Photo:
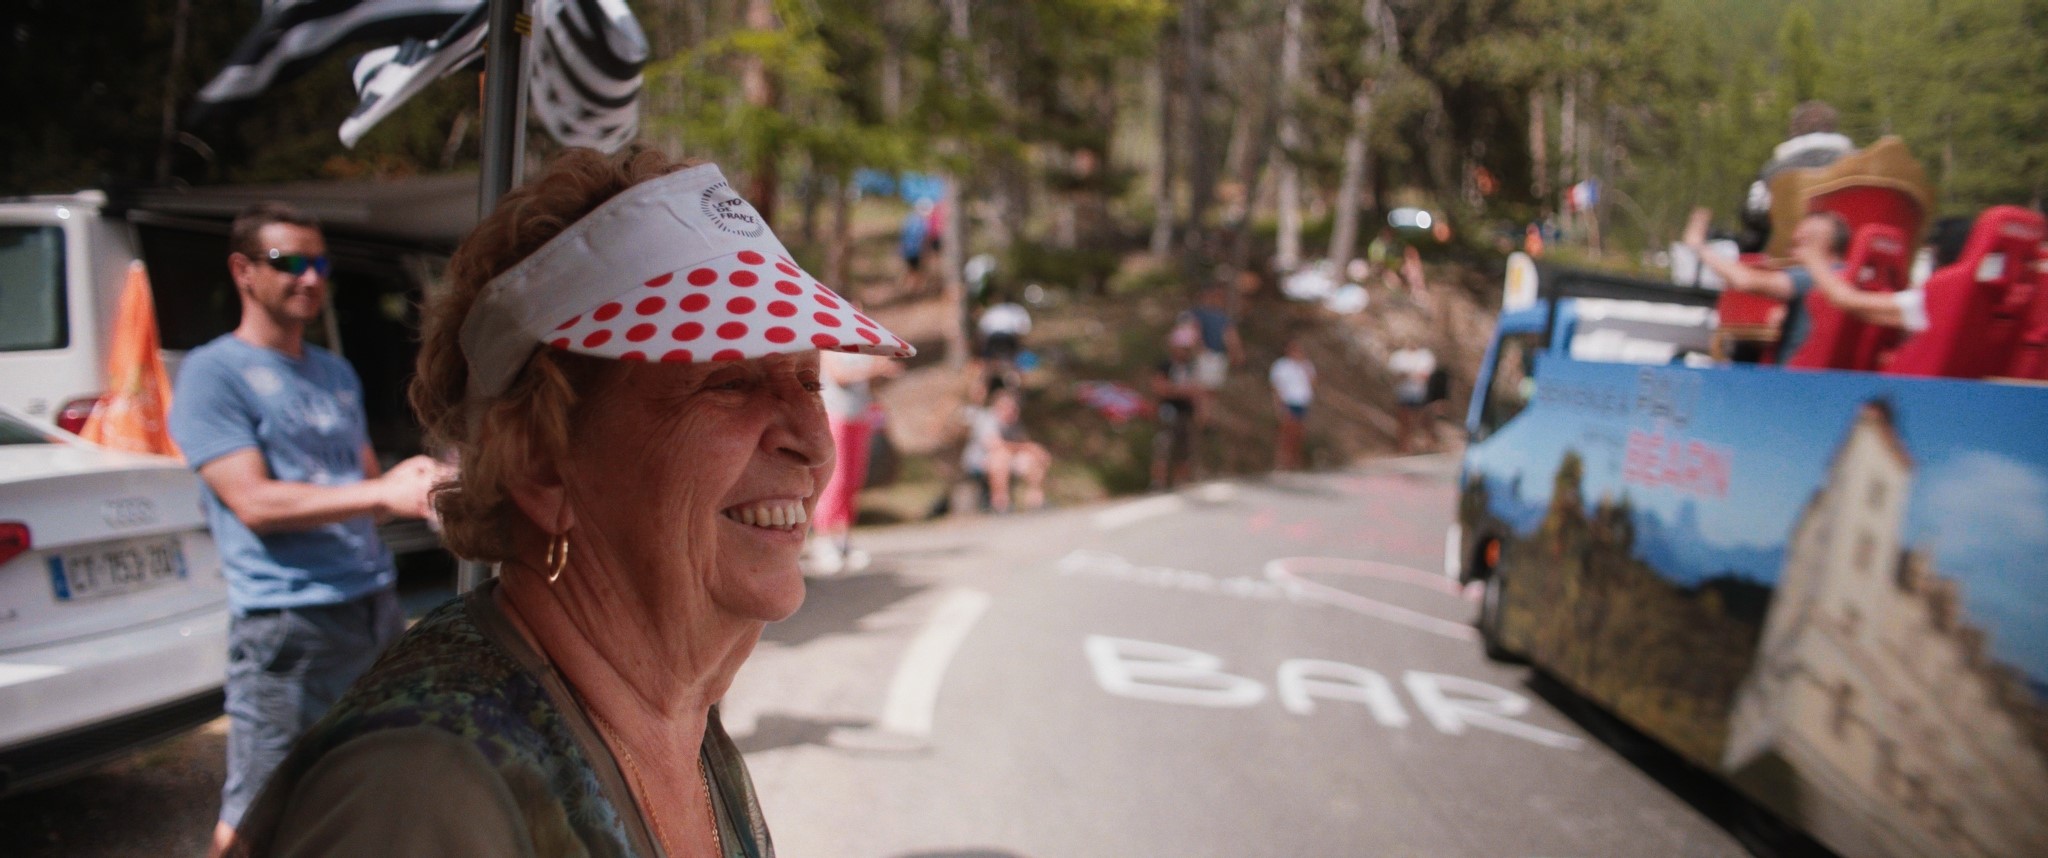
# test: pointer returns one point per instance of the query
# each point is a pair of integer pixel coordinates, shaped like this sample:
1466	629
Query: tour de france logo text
728	212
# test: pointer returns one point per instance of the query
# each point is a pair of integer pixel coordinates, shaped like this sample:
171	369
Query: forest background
1081	128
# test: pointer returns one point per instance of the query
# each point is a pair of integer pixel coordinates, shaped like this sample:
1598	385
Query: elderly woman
626	362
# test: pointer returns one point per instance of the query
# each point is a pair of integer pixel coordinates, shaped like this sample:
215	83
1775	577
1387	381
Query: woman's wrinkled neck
631	662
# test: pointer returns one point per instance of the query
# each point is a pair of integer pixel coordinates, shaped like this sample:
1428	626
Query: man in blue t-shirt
275	427
1819	244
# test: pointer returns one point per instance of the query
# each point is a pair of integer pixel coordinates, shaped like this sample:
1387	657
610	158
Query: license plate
115	569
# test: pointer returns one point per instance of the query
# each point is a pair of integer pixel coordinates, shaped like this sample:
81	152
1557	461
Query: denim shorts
285	668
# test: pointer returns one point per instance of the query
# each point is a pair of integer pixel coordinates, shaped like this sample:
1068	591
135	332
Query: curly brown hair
502	436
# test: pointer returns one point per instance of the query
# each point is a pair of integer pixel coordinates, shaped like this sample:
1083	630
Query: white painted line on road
1277	570
914	692
1125	515
1214	492
1395	572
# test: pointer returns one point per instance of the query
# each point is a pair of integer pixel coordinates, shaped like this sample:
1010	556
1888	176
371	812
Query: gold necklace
633	775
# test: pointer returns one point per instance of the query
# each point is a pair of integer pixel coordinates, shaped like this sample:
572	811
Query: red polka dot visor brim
744	305
679	269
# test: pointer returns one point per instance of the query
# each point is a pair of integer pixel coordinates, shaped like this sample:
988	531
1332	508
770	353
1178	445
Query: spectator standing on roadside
852	414
1175	387
1412	365
292	492
1000	332
1221	348
1411	274
914	237
1384	253
1294	381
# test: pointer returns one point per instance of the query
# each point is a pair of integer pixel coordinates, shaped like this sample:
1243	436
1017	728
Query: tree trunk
1162	188
1251	176
953	239
1344	233
1287	250
1379	51
1201	172
808	191
839	249
761	92
1568	130
1539	146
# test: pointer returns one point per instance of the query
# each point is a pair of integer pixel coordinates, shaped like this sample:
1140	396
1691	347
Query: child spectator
1412	366
1294	380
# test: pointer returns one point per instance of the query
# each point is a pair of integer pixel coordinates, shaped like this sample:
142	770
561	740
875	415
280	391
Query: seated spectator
1819	243
998	451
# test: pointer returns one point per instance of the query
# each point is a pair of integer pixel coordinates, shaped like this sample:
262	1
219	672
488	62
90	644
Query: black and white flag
386	77
292	35
586	78
586	81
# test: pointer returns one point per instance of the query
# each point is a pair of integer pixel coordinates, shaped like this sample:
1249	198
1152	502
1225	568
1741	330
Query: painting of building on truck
1826	586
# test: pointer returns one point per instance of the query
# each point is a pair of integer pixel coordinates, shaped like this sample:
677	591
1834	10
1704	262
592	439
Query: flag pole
506	67
504	121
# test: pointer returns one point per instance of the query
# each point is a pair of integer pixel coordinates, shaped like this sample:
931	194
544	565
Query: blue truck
1828	588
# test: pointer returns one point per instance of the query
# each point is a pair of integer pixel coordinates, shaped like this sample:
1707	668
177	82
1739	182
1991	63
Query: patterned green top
464	740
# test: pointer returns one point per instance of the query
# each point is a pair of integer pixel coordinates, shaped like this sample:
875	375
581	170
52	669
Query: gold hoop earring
558	555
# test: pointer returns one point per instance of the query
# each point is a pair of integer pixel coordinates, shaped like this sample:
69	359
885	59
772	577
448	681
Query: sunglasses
296	264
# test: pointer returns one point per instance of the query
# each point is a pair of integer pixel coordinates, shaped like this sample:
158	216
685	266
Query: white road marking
1277	570
1127	514
914	692
1164	673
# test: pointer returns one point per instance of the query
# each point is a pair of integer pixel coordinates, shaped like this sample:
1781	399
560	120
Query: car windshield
31	288
13	432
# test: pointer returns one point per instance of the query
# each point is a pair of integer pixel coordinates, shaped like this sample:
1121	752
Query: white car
113	610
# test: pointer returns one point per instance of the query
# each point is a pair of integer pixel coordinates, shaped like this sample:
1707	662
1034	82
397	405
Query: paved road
1260	668
1257	668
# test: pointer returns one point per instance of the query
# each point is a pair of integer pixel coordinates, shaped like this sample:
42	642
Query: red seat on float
2030	359
1978	308
1879	261
1879	185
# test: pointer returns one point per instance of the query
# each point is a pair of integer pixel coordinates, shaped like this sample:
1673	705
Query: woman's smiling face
694	482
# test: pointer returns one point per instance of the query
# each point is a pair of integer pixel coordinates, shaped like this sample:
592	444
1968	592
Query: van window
32	289
1512	384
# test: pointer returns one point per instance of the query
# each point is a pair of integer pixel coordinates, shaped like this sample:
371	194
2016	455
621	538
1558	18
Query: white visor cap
677	269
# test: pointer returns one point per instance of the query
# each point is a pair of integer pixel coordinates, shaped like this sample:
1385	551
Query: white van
61	269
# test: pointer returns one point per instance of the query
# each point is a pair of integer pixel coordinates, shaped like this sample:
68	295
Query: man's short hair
243	235
1839	232
1948	237
1812	117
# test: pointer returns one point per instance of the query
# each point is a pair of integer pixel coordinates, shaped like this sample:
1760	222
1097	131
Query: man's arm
269	505
1877	308
1775	285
